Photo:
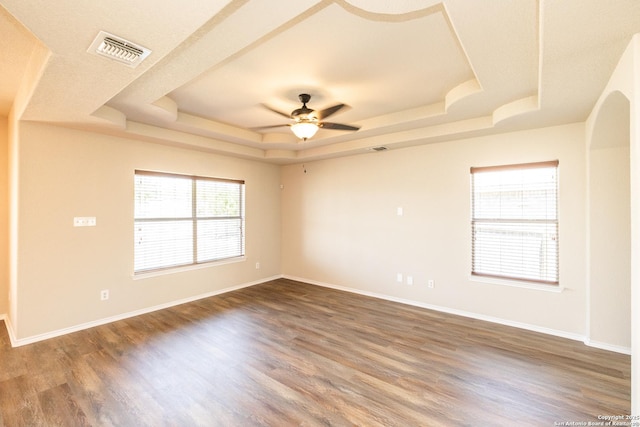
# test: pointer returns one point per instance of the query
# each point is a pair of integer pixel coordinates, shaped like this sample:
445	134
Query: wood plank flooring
285	353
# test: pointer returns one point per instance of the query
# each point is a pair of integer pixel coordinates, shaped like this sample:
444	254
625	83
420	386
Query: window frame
554	222
193	219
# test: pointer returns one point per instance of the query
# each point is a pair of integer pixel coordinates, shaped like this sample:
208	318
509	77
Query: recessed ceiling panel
336	56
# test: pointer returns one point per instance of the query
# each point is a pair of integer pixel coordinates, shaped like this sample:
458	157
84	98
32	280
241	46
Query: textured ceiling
16	45
412	72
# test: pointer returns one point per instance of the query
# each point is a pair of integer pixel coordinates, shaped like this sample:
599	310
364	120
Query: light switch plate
84	221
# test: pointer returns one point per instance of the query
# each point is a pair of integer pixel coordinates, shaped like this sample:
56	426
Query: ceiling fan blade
323	114
288	116
270	127
338	126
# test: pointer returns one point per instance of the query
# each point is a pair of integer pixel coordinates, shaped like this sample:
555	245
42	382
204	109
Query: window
514	222
183	220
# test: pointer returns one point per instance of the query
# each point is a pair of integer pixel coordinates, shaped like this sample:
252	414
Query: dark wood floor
286	354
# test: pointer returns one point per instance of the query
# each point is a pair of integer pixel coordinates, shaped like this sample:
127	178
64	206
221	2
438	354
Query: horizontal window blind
182	220
514	221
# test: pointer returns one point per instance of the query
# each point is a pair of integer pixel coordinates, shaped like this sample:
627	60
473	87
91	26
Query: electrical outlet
409	280
399	277
431	283
104	294
258	265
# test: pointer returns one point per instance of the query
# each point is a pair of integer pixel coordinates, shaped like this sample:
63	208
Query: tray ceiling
412	72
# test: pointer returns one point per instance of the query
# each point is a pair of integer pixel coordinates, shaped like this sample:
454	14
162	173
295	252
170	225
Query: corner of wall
10	332
4	215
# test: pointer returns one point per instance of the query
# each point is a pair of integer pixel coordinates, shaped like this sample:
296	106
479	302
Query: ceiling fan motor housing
304	113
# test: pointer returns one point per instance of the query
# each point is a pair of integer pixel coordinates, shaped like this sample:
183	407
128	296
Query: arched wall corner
623	86
611	122
609	225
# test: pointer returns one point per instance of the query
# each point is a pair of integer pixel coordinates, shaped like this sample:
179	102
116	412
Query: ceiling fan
306	121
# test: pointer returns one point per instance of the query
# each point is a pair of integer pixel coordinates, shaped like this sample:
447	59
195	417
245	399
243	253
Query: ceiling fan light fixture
304	129
306	121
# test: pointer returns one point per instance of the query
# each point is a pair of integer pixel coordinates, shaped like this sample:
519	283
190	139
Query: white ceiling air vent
118	49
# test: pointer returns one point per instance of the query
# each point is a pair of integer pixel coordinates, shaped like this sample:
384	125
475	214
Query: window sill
517	284
174	270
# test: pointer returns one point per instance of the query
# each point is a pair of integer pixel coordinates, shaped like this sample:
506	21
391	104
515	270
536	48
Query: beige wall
634	51
4	216
61	269
610	246
341	228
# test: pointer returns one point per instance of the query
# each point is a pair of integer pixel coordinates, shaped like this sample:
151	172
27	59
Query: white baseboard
15	342
41	337
529	327
608	347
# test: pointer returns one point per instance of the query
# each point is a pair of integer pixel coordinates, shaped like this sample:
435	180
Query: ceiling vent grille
118	49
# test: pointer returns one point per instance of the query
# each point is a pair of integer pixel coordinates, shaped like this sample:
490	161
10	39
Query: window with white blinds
514	221
183	220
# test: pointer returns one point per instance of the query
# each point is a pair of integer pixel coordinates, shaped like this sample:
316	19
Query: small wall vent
118	49
381	148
